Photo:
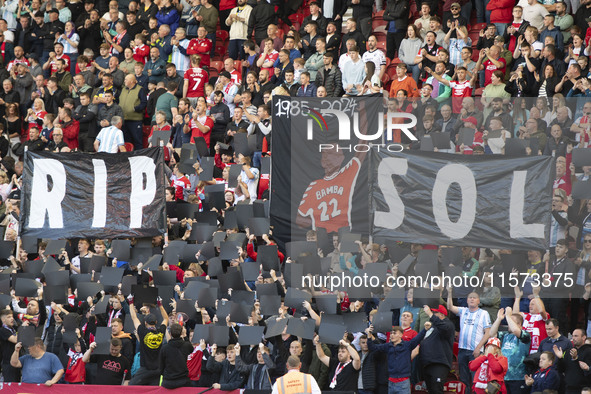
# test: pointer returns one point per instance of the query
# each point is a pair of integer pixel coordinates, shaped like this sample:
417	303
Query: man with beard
112	368
35	313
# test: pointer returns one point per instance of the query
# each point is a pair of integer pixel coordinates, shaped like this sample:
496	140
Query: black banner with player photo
482	200
314	184
98	195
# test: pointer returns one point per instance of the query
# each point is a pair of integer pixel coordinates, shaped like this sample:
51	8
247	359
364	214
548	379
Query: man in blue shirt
399	357
39	366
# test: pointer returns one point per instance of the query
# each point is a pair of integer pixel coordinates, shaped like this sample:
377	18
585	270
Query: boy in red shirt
76	368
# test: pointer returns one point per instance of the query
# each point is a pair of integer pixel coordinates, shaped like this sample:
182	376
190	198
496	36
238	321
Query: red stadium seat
378	15
221	36
217	65
129	146
378	24
296	18
238	65
220	50
147	130
380	34
391	71
477	27
474	37
381	45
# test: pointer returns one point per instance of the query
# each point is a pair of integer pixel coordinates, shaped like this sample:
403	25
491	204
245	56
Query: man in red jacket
69	126
501	13
201	46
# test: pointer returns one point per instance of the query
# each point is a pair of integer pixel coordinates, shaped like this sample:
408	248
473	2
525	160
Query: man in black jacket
54	27
261	16
367	374
436	351
258	373
362	10
575	363
84	15
230	377
354	33
330	77
85	114
396	14
173	359
220	113
173	76
38	33
23	32
334	12
316	16
53	96
559	264
90	33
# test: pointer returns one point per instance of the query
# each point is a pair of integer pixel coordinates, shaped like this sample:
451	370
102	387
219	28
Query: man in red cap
436	351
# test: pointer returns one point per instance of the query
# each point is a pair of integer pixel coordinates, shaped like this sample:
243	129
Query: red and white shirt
236	76
15	61
141	53
490	68
196	131
327	201
180	185
459	89
196	78
201	47
535	325
271	57
54	65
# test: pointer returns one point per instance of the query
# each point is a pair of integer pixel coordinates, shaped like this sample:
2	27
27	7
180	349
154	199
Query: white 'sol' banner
444	199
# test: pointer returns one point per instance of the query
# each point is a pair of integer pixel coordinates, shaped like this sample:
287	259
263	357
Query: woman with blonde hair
558	101
5	185
36	114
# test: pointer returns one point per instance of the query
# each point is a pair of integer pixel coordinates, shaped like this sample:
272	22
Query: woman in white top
70	40
5	185
371	84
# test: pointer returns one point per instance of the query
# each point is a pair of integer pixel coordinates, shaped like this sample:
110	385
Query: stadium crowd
108	76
